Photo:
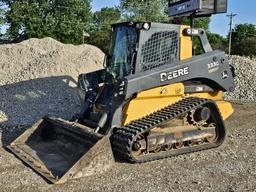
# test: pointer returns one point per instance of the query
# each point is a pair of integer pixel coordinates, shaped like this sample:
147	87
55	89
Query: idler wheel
202	114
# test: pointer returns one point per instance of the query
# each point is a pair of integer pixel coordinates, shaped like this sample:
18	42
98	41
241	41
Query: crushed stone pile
38	78
245	90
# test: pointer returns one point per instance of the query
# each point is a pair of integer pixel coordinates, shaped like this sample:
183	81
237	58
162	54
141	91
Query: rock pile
245	80
38	78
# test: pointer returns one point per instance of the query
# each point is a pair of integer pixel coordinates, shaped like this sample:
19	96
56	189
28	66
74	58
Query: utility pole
231	16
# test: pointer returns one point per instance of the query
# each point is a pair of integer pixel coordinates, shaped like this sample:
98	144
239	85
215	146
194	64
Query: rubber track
123	138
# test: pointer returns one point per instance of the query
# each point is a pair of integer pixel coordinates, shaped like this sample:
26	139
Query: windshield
122	52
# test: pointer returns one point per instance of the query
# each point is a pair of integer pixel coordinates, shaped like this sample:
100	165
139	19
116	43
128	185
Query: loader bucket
60	150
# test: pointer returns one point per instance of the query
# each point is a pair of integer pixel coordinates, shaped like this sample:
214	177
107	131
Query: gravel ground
245	89
232	167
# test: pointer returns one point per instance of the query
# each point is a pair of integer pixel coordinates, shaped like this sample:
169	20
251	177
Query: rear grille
161	48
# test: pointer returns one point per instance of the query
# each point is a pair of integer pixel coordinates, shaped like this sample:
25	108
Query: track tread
123	137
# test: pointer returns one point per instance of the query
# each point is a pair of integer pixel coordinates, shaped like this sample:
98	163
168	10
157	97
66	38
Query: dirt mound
38	78
245	79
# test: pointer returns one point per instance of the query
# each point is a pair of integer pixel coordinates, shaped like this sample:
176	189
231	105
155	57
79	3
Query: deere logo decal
174	74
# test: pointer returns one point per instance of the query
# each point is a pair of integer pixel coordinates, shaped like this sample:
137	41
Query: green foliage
106	16
248	46
243	39
217	41
144	10
203	22
242	31
101	29
70	18
1	16
63	20
2	20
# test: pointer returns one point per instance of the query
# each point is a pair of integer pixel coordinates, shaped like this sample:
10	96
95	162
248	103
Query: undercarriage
190	125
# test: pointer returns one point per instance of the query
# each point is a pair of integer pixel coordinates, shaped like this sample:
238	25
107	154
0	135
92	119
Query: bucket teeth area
58	149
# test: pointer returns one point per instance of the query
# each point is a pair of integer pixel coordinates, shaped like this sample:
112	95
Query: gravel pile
245	79
38	78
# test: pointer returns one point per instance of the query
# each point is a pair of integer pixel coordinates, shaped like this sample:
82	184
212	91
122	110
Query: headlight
146	26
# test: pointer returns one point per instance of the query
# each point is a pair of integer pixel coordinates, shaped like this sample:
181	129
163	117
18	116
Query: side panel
213	67
152	100
225	108
155	99
185	44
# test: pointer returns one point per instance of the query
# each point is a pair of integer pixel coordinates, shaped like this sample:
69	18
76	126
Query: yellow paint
225	108
152	100
185	44
217	95
155	99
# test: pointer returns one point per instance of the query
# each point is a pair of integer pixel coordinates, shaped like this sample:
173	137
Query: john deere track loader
153	100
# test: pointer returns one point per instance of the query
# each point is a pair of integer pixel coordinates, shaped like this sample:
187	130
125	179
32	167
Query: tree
242	34
217	41
2	12
101	30
106	16
203	22
144	10
63	20
26	20
1	16
71	17
248	46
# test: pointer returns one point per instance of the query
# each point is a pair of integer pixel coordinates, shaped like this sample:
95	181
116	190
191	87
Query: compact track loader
153	100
